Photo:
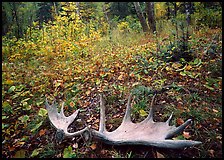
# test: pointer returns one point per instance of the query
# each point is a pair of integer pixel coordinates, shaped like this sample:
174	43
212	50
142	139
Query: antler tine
150	115
127	116
102	127
168	120
62	110
178	129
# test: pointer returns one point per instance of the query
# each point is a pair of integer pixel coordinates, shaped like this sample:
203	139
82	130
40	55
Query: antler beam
147	132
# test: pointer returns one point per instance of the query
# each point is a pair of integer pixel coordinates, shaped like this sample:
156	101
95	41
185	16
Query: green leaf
42	112
4	125
181	137
212	89
68	153
142	113
20	154
35	152
39	103
98	81
7	107
36	127
24	118
182	73
11	89
25	100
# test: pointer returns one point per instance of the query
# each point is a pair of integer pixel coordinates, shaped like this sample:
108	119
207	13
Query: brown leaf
211	152
11	148
179	121
93	146
42	132
72	104
159	155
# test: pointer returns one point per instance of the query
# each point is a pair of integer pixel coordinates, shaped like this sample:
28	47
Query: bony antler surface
147	132
60	121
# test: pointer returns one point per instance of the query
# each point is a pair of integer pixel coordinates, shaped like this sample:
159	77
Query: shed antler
147	132
60	121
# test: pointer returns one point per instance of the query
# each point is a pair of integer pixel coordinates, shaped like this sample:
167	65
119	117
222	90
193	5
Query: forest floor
113	67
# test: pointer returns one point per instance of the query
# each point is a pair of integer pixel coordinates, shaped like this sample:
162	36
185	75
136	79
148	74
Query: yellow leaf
9	82
135	84
20	154
120	77
188	67
87	92
142	113
151	59
168	68
176	65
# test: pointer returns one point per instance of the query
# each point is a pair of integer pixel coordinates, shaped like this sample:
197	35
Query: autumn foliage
72	60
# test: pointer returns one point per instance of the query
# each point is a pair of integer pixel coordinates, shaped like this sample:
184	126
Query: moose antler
146	132
60	121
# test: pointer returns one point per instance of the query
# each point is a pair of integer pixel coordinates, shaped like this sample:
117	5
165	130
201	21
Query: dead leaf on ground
186	135
93	146
42	132
20	154
159	155
179	121
211	152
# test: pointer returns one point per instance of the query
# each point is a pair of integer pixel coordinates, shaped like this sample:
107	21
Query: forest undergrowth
75	72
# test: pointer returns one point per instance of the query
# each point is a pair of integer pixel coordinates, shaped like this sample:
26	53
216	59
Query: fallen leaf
179	121
120	77
159	155
211	152
214	110
93	146
72	104
35	152
75	145
87	92
20	154
132	74
186	134
142	113
11	149
188	67
42	132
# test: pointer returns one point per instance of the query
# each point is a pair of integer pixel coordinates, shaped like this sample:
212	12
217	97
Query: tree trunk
15	15
141	17
175	14
78	9
55	8
168	10
151	16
